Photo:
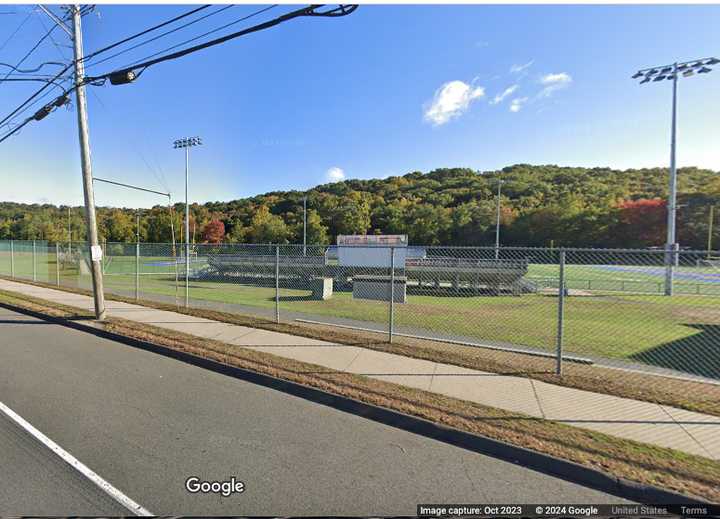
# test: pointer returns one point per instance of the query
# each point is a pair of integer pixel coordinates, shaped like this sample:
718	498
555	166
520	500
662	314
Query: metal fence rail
606	306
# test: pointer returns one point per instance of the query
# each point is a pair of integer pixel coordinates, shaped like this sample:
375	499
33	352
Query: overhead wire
136	148
30	70
95	53
20	26
213	31
146	31
67	88
55	44
310	11
29	53
108	47
155	38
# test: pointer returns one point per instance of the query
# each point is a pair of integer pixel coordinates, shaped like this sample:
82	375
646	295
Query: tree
472	222
161	222
267	227
213	232
117	226
352	215
317	233
588	207
642	222
428	225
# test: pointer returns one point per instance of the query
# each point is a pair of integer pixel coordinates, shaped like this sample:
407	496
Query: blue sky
384	91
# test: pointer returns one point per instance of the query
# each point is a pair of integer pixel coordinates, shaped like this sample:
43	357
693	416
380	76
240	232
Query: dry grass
684	394
628	459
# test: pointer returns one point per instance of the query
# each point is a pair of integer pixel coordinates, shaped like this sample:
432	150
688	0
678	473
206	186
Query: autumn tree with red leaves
643	222
214	231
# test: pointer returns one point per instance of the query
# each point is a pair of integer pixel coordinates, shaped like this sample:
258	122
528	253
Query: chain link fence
648	310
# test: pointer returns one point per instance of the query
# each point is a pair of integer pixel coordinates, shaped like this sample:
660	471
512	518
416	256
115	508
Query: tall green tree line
541	205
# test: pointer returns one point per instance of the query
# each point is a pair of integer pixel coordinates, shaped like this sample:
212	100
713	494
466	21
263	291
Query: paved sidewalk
661	425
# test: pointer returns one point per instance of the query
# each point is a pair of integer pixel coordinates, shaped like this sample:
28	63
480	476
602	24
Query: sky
384	91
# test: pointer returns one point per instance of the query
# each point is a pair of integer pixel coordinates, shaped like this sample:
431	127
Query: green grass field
681	332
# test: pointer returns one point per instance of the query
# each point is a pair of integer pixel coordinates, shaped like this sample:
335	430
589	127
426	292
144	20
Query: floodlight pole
305	225
672	202
69	234
137	255
687	68
187	228
497	222
187	143
711	217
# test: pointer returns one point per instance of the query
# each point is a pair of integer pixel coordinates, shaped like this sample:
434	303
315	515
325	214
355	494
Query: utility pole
85	159
305	225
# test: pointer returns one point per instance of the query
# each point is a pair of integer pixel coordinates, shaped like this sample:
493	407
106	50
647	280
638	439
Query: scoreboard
359	250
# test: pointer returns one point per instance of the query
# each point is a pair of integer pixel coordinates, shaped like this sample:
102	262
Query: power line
246	17
310	11
29	99
25	79
28	105
104	49
137	148
20	26
142	33
59	50
160	36
99	51
40	114
31	70
27	55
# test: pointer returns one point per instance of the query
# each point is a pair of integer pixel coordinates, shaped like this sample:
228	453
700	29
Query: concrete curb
543	463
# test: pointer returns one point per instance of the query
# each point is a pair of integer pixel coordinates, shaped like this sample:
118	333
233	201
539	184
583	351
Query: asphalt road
145	423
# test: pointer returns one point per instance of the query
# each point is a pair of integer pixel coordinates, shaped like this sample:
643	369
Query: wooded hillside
596	207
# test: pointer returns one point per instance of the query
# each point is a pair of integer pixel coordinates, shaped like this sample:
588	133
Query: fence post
391	319
561	315
137	270
57	264
277	284
12	259
34	262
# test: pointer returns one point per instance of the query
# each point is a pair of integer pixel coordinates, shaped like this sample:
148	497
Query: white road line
106	487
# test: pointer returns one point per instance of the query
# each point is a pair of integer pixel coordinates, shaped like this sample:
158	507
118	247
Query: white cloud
516	69
451	100
554	82
335	174
501	96
517	104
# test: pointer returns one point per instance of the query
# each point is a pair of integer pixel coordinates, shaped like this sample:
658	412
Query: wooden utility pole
85	160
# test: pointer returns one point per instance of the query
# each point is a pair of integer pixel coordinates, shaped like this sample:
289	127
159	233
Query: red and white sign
379	240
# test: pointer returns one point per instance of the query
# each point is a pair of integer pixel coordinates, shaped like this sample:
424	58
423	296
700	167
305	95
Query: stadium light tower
497	221
305	225
672	73
187	143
